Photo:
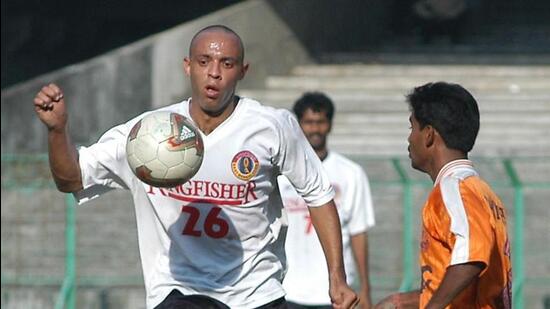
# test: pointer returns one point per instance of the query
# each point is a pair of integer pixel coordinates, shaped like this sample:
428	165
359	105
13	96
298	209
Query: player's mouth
211	91
315	136
315	139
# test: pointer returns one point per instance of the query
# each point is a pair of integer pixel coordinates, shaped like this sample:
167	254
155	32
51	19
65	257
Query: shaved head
218	28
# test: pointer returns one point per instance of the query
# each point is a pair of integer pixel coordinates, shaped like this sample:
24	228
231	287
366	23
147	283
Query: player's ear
244	69
430	133
187	66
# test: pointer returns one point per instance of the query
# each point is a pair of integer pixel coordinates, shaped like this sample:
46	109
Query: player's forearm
406	300
63	158
327	225
359	246
456	279
409	300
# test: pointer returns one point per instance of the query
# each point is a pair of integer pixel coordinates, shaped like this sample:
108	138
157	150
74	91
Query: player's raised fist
49	105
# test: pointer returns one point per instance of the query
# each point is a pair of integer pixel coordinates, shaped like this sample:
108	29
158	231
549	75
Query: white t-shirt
222	233
306	281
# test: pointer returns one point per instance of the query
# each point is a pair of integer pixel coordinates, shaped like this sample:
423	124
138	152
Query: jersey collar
450	167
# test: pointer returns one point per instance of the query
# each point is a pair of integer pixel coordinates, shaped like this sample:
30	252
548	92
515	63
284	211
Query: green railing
67	294
408	235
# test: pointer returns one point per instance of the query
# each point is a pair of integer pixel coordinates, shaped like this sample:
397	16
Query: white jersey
222	233
306	281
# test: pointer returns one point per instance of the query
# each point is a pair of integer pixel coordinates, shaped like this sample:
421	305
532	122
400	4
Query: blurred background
116	59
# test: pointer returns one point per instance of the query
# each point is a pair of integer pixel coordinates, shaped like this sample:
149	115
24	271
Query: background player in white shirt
306	281
221	234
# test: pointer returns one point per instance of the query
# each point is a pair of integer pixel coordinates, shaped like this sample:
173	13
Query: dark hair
316	101
221	28
448	108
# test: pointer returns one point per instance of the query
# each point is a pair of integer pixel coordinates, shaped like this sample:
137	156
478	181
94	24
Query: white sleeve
103	165
362	214
300	164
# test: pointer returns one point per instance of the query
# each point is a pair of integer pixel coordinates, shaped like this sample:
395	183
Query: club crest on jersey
245	165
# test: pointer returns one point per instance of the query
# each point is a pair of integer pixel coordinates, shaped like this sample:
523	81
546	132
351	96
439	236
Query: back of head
448	108
317	102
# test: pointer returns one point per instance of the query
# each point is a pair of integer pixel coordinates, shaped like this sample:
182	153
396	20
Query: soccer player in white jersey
221	234
307	281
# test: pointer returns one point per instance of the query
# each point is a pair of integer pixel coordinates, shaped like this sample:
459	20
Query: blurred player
464	250
306	282
220	235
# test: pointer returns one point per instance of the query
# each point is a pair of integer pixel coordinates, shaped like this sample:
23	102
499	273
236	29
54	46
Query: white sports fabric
306	281
222	233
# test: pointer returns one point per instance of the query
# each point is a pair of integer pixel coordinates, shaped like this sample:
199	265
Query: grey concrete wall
114	87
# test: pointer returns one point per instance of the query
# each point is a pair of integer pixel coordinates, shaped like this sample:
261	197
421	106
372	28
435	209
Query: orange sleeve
481	234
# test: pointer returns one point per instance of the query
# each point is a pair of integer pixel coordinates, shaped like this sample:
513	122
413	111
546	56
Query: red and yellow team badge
245	165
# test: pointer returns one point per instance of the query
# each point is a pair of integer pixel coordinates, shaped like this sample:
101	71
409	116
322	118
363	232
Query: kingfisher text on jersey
200	191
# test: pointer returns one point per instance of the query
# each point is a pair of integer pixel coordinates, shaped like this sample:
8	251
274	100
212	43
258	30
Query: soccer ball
164	149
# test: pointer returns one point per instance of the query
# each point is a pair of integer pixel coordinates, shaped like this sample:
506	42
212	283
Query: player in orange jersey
464	250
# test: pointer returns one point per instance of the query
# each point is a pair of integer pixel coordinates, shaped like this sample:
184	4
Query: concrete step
401	150
532	119
386	147
539	140
358	98
361	101
403	84
361	106
337	95
438	71
485	132
399	147
372	115
433	55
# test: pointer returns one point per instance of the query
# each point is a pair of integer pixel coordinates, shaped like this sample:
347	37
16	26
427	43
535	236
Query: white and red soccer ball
164	149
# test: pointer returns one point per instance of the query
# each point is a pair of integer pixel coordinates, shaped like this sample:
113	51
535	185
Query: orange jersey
464	221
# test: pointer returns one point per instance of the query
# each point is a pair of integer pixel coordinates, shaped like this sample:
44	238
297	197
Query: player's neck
440	161
322	153
208	122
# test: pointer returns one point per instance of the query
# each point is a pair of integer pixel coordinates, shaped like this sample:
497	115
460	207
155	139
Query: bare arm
456	279
327	225
407	300
49	105
359	246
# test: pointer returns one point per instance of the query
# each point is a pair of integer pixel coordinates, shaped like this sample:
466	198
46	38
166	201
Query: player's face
417	149
215	66
316	127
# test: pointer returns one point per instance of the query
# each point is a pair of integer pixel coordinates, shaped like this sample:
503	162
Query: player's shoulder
261	112
345	162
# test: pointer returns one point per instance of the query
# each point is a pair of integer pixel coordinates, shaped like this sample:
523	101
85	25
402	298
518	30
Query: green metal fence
18	173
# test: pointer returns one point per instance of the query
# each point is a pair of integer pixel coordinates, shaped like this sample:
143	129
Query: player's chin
316	141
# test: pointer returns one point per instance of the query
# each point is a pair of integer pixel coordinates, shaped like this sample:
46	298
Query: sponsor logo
209	192
186	133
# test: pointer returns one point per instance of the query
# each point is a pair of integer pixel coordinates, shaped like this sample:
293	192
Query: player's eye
228	64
